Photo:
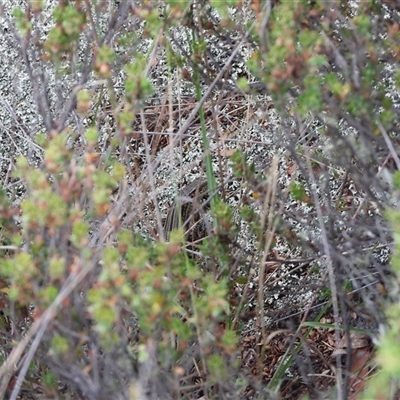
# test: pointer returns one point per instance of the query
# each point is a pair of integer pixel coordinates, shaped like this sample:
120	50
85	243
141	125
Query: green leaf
59	345
298	191
396	180
56	267
92	135
23	24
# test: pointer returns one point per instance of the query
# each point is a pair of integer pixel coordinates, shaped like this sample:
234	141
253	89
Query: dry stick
314	298
392	152
246	289
151	174
363	200
263	25
268	211
341	190
150	167
200	103
25	136
312	306
390	146
331	273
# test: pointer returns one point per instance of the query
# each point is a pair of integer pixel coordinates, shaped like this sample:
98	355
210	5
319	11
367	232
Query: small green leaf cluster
22	23
70	23
137	86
